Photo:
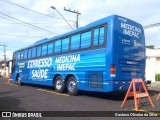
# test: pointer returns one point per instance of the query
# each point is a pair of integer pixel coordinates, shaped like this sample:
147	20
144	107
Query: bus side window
57	48
65	45
29	53
44	49
38	51
86	39
101	36
75	42
34	52
96	33
25	54
18	56
98	36
50	48
22	55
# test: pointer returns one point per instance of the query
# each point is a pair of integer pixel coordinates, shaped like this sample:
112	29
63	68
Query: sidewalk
155	83
155	86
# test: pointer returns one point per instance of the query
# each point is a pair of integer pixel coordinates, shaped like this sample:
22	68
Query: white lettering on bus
39	73
68	59
66	66
67	62
45	62
130	30
39	63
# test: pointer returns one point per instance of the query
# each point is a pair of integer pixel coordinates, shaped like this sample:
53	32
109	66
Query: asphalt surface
42	98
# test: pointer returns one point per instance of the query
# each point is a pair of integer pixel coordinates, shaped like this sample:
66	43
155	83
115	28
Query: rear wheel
72	86
59	84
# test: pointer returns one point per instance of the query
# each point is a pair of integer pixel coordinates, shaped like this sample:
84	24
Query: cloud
143	11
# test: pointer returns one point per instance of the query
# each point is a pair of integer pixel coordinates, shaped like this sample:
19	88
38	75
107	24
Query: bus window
25	54
14	56
86	39
29	53
75	42
44	49
22	52
34	52
18	56
38	51
57	48
101	36
65	44
50	48
98	36
96	32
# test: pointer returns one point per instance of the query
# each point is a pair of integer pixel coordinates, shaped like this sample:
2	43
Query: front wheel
18	80
72	86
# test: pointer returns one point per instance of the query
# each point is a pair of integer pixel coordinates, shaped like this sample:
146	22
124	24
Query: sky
18	34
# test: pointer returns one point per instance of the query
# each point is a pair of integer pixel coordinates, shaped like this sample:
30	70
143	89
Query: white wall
158	66
152	63
150	68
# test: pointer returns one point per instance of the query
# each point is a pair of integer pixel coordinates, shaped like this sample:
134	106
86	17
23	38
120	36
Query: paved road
42	98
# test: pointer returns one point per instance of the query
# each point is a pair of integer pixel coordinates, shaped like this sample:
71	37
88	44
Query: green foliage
150	46
157	77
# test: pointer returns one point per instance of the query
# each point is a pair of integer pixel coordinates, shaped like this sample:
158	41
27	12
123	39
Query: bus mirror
8	63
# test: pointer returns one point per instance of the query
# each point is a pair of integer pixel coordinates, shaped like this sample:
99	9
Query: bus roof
90	25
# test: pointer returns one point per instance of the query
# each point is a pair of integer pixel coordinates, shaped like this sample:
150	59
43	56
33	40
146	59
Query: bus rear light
112	71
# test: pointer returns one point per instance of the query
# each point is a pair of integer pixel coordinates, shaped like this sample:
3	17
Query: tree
150	46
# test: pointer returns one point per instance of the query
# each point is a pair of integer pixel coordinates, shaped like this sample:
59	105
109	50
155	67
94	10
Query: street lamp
62	16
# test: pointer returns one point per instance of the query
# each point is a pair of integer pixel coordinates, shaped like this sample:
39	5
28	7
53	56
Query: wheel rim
72	86
59	84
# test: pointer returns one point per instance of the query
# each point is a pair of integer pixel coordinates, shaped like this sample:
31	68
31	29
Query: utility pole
62	16
74	12
4	59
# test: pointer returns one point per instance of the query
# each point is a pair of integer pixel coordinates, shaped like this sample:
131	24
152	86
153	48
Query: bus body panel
129	49
92	67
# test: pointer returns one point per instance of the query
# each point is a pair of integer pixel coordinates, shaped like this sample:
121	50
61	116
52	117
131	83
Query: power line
151	25
30	23
27	23
10	20
12	3
13	21
18	35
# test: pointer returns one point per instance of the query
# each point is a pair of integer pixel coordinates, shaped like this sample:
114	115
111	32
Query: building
2	72
152	63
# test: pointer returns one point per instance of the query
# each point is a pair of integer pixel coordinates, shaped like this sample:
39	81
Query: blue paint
88	54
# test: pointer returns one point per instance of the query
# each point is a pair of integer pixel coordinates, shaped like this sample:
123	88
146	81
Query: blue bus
102	56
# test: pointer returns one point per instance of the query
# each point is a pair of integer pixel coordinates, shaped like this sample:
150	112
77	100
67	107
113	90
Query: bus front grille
94	79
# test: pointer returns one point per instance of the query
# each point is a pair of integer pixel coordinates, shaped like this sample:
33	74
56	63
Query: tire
72	86
59	84
18	80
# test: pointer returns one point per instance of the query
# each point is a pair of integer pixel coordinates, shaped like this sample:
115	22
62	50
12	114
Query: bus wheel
18	81
59	84
72	86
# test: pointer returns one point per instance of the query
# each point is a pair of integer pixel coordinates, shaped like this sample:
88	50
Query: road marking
12	84
48	91
147	111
